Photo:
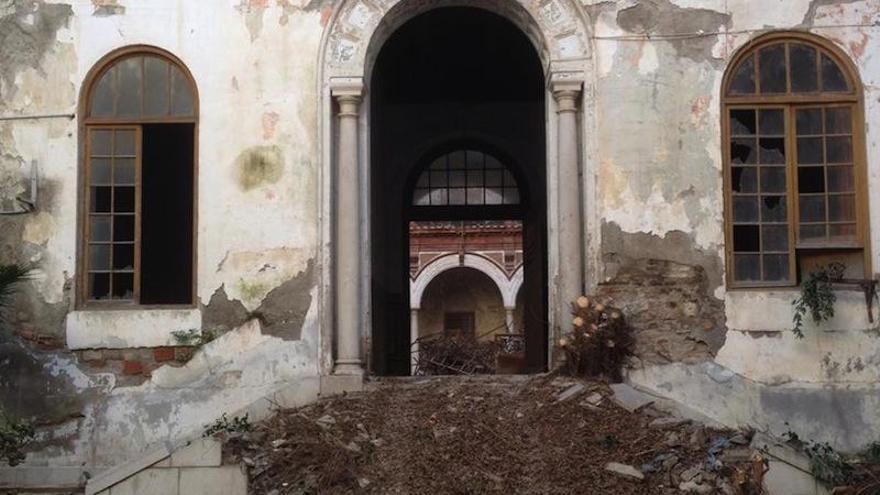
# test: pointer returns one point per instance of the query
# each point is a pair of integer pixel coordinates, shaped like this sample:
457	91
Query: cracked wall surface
656	167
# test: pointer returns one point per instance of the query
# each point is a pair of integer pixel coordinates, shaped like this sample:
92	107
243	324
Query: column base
337	384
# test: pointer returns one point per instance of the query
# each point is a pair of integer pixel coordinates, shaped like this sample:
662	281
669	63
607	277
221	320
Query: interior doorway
457	116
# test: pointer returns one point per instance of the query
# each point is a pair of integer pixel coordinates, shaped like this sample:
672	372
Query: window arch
139	117
794	160
466	177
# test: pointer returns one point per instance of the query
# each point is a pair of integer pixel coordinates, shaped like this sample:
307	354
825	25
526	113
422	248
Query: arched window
139	117
466	177
794	160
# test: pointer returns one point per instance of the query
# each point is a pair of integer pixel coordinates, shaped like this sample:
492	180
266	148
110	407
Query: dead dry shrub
600	340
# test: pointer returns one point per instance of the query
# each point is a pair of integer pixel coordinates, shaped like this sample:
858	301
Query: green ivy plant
10	277
238	424
14	437
817	296
193	337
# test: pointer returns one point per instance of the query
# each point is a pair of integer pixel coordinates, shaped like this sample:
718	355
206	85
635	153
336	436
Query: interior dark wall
454	74
167	214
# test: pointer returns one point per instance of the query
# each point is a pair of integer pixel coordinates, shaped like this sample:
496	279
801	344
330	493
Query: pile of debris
492	434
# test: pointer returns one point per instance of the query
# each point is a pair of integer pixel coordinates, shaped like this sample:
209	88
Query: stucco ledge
120	329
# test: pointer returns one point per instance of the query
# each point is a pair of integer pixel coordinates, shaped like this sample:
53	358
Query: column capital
566	93
348	92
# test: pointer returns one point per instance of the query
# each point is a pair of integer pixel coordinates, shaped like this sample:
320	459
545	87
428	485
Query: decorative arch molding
507	286
560	31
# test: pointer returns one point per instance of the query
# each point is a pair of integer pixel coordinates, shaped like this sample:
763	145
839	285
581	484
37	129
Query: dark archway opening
453	78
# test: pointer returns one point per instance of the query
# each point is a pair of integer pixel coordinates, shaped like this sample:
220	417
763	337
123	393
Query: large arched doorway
457	105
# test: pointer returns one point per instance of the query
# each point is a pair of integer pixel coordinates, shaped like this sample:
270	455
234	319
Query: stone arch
426	275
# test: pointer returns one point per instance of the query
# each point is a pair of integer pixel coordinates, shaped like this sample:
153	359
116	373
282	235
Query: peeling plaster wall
254	63
656	170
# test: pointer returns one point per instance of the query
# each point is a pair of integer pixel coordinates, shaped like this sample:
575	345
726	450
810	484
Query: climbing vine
817	296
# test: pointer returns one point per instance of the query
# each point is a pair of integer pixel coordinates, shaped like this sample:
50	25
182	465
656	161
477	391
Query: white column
347	239
570	220
413	337
508	319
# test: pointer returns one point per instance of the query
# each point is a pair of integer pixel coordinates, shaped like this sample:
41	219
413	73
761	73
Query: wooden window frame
854	99
86	125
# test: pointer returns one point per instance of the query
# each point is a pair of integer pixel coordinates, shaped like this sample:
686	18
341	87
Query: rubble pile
489	434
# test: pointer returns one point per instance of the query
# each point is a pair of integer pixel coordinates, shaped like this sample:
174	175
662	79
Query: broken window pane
123	285
804	73
772	67
773	209
744	179
832	77
123	256
772	151
742	123
99	285
746	238
743	151
811	179
743	81
123	228
99	200
123	199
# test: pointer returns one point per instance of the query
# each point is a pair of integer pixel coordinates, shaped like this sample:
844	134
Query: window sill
128	328
768	310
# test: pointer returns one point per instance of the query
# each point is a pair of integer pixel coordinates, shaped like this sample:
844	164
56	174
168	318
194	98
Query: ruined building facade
247	169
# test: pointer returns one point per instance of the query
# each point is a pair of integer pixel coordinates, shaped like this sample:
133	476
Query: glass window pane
128	102
774	237
812	232
423	180
746	238
421	198
99	199
475	196
772	122
842	208
99	257
772	151
456	196
492	163
475	178
124	143
99	228
745	179
123	285
832	77
123	199
124	171
838	149
804	74
457	159
776	267
743	151
156	78
181	95
123	256
812	208
838	120
745	209
809	121
511	196
494	178
773	209
474	159
743	81
439	163
99	285
742	123
456	178
494	197
747	267
773	179
772	67
438	179
810	151
811	179
439	197
102	95
509	181
123	228
840	179
842	232
100	172
101	143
